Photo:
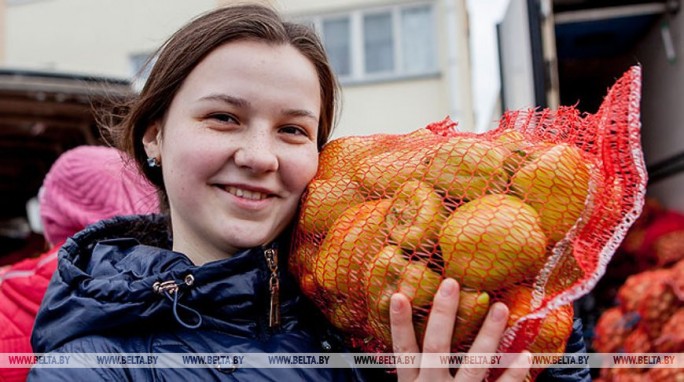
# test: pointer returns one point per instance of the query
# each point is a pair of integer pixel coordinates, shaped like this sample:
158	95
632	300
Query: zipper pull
274	287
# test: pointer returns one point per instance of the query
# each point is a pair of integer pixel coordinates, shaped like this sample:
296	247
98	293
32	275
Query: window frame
140	64
357	44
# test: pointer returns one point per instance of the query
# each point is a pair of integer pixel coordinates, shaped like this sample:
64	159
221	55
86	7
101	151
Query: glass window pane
378	42
140	68
336	38
418	41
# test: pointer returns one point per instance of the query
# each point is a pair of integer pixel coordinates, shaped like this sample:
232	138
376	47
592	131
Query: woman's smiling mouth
245	194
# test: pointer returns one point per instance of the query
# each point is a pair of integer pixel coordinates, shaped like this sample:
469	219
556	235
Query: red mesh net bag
529	214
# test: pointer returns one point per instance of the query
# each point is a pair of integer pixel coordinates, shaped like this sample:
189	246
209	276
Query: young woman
228	127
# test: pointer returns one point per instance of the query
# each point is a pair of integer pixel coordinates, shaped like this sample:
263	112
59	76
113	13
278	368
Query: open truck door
42	115
527	55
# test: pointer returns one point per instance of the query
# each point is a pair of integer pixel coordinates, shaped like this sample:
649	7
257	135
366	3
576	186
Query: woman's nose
256	153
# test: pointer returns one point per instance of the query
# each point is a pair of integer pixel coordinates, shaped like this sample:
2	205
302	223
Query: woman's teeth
251	195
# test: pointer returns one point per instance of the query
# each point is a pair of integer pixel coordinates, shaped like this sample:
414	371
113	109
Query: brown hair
189	45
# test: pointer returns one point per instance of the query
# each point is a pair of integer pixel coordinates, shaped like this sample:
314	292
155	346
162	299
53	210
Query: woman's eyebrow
236	101
241	102
300	113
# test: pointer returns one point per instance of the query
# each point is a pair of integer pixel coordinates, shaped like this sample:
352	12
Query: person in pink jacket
85	185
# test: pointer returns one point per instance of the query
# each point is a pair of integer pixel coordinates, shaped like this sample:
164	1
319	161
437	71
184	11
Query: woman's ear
152	141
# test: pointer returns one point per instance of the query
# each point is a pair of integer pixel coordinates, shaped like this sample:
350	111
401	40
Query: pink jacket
22	286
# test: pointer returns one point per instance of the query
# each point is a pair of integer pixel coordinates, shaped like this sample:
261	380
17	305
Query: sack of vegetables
529	214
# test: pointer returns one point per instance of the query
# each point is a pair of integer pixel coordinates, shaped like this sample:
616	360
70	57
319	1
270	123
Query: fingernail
395	304
498	312
448	287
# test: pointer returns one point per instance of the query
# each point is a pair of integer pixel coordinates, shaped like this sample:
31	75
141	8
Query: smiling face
237	147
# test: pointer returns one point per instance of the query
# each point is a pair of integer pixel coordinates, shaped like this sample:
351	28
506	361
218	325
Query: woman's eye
222	117
293	130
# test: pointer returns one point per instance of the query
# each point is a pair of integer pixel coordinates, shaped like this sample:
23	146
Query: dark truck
42	115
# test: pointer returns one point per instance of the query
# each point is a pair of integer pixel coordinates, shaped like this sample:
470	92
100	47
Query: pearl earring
153	162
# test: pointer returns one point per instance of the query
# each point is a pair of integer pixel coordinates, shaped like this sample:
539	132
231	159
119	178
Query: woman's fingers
437	333
518	369
439	329
487	341
403	336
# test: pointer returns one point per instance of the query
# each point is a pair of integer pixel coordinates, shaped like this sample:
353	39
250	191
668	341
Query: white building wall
3	31
91	36
394	107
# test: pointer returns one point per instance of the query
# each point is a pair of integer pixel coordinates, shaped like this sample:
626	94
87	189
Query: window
384	43
140	68
337	43
378	43
418	43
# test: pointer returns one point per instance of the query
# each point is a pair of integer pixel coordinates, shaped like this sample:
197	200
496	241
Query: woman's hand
438	337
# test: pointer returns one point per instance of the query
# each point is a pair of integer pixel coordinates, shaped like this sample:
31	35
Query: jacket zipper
271	255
